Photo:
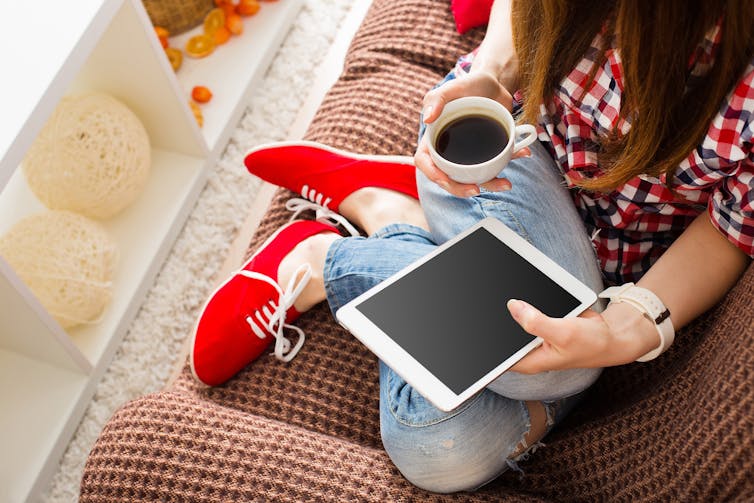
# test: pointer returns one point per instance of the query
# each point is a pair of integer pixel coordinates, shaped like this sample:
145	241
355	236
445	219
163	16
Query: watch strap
652	307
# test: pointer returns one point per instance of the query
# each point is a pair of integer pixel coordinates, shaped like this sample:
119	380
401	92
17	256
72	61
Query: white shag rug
156	337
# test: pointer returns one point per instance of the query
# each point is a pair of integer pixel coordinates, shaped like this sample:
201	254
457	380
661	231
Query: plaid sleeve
463	65
731	206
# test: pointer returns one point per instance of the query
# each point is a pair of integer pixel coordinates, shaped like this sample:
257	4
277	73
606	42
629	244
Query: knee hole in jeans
539	421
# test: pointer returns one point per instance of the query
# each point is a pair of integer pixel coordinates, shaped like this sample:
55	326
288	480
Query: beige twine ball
92	157
67	260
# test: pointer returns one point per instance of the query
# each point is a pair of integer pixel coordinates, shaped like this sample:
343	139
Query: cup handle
529	134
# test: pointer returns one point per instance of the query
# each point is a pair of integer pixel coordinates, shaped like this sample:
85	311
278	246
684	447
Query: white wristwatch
652	307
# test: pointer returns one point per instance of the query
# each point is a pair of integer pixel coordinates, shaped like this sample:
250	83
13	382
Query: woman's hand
478	83
619	335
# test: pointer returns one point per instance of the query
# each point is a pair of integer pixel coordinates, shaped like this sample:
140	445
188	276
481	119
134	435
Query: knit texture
678	428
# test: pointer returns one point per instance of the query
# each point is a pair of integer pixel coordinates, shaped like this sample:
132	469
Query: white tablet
442	323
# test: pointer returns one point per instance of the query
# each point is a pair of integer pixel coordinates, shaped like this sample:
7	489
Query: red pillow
470	13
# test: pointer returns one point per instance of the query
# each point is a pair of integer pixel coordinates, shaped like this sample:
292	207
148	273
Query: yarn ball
91	157
66	260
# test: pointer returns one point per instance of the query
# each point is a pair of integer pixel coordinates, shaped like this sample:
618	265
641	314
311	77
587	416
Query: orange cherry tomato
200	46
201	94
162	35
234	23
221	36
161	32
248	7
229	9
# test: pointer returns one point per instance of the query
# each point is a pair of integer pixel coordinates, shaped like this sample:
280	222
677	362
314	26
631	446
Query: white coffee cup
478	106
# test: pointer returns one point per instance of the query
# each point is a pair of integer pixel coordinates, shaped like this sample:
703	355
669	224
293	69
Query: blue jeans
470	446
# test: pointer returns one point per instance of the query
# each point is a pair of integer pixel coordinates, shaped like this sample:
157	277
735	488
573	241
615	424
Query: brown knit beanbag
678	428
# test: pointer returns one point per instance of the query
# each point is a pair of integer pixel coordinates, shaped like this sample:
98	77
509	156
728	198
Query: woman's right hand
478	83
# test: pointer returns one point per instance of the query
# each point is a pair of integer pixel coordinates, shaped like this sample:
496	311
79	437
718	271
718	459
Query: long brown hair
656	40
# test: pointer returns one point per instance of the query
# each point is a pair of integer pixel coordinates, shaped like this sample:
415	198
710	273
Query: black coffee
471	139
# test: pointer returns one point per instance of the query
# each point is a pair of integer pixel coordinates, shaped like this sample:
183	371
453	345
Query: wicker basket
177	16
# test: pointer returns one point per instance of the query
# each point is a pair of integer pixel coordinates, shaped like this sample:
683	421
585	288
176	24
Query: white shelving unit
48	375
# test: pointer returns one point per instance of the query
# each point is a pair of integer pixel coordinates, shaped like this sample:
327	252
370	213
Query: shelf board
231	71
29	330
47	375
144	233
43	398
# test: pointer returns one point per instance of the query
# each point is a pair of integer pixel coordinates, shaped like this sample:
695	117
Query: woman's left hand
617	336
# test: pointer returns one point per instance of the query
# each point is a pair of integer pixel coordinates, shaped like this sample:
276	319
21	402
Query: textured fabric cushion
470	14
678	428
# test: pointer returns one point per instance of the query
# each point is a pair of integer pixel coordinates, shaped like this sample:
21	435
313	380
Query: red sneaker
250	309
325	175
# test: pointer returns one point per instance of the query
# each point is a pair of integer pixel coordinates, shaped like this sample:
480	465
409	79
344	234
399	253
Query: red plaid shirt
633	225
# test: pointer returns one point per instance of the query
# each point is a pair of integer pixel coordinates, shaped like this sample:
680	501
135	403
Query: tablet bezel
413	372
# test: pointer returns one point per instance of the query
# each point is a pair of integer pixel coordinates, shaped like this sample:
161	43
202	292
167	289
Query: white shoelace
274	312
318	202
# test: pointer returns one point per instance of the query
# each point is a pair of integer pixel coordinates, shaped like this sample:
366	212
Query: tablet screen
450	312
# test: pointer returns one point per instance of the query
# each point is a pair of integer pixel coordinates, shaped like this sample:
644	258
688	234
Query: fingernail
519	309
427	110
515	307
472	192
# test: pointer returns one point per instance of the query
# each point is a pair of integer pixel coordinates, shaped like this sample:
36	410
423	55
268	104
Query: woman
644	173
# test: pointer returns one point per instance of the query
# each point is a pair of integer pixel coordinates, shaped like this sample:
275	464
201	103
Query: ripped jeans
470	446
